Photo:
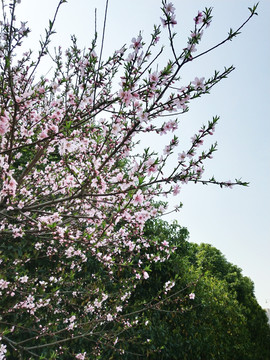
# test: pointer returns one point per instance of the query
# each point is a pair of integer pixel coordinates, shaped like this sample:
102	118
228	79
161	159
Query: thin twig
101	49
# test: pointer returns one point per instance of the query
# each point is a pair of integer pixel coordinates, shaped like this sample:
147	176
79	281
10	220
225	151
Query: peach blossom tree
75	191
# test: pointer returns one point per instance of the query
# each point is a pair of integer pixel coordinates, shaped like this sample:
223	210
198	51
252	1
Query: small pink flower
81	356
109	317
192	296
199	18
9	186
145	275
4	125
172	21
3	284
165	243
167	150
182	156
3	350
154	77
176	190
169	8
126	96
199	83
138	198
23	279
43	134
136	43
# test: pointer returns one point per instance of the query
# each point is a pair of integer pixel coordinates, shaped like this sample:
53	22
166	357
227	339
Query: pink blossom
17	232
138	198
10	186
154	77
143	117
145	275
90	308
199	83
4	125
182	156
168	286
80	356
171	21
176	190
167	150
152	169
191	296
165	243
3	350
54	128
43	134
136	43
94	54
199	18
109	317
23	279
23	28
169	8
68	146
116	128
191	48
3	284
126	96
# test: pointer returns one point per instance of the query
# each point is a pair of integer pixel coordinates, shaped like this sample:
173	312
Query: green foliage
224	321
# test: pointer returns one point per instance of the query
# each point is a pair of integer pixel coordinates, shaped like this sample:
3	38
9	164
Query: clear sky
235	221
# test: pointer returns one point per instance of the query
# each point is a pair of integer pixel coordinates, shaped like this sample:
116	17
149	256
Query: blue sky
235	221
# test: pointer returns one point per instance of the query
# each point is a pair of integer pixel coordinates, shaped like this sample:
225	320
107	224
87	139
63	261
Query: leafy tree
218	323
213	263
